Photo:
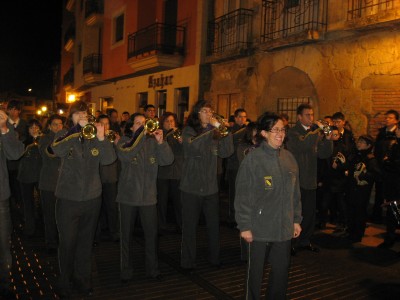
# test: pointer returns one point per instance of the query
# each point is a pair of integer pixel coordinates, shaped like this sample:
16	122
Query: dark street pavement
340	271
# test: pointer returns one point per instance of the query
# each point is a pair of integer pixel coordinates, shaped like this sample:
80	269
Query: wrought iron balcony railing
230	32
92	64
94	7
284	18
362	8
160	37
69	77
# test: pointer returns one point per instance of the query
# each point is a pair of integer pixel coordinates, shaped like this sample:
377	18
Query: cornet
89	131
323	126
111	135
151	125
223	130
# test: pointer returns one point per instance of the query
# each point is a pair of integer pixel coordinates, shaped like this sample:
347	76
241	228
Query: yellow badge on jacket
268	185
95	151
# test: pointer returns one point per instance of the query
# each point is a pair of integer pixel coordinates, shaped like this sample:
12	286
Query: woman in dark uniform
28	175
78	195
203	143
169	176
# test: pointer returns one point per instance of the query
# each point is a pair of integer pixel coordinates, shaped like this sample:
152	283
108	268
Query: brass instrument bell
177	134
151	125
223	130
89	131
111	135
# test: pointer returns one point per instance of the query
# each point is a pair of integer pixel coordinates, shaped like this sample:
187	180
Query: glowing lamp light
39	112
44	108
60	111
71	98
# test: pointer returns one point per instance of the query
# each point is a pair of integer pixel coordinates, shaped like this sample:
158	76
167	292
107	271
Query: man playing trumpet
307	145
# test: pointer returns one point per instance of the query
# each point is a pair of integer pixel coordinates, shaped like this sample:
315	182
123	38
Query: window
289	106
142	100
228	103
182	103
161	98
119	28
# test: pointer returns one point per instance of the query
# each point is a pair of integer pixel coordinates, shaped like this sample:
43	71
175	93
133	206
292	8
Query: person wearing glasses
307	143
203	142
268	207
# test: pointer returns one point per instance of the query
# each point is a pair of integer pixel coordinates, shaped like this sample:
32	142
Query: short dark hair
14	104
34	122
284	116
111	110
126	113
238	111
367	138
149	106
338	116
103	116
54	117
393	112
303	107
166	115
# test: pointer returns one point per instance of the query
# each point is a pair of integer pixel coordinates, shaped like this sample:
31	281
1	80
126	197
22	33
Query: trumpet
360	168
223	130
89	131
151	125
111	135
177	134
323	126
339	158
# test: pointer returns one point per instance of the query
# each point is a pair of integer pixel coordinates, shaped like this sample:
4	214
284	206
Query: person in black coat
48	181
10	148
78	193
28	175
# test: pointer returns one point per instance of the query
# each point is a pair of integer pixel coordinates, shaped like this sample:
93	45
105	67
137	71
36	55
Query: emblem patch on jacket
268	183
95	151
152	160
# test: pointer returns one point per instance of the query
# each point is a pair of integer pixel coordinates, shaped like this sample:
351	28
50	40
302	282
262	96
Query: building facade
338	55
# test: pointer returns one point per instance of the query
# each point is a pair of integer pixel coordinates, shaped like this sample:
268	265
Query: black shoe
310	247
293	251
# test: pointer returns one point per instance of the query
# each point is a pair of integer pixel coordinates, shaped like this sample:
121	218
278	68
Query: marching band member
28	175
140	154
268	208
10	149
78	195
202	144
48	181
169	176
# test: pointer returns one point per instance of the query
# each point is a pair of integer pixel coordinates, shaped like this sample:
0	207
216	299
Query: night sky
30	34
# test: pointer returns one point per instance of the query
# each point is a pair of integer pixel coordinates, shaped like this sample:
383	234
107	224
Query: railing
232	31
92	64
362	8
283	18
164	38
94	7
69	77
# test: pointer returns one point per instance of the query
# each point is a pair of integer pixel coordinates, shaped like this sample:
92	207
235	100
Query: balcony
370	14
69	39
156	47
92	68
292	22
94	12
230	35
68	80
70	5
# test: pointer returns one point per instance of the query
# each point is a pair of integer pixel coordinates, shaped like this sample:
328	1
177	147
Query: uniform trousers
231	182
48	200
109	208
168	188
5	235
308	211
278	255
192	206
148	218
27	192
76	223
